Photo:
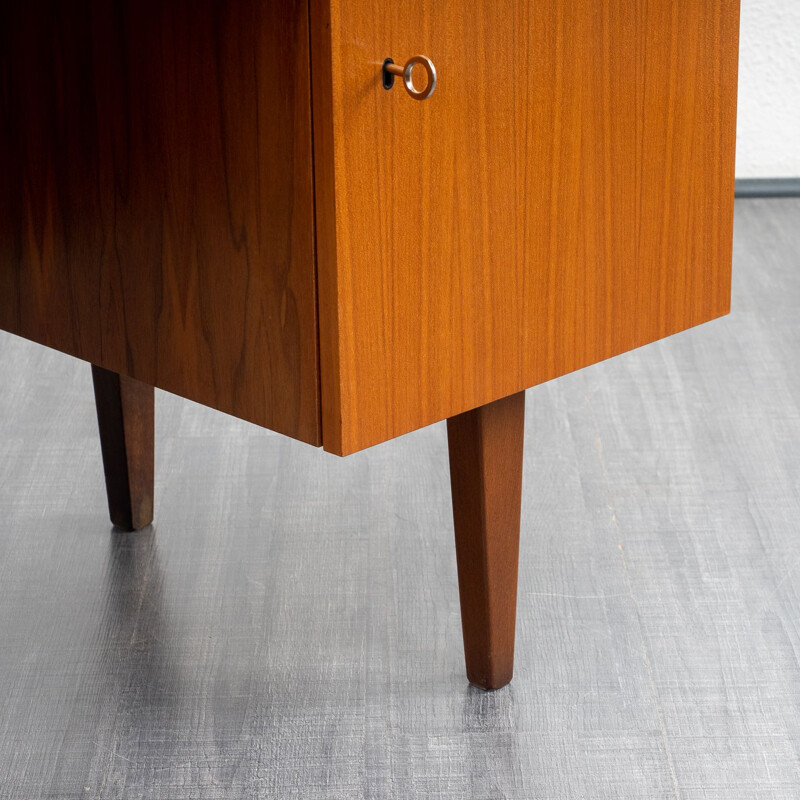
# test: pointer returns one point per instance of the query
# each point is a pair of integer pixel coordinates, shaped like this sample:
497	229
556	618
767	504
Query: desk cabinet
240	203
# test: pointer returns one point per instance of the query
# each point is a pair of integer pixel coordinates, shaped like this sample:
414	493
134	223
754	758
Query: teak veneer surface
564	196
156	202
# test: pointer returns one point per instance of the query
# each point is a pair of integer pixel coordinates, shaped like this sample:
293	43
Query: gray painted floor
290	627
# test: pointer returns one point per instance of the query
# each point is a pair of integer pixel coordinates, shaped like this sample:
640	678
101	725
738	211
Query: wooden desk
221	199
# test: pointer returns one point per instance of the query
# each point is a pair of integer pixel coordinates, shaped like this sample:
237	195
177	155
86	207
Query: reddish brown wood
565	198
125	414
156	197
486	480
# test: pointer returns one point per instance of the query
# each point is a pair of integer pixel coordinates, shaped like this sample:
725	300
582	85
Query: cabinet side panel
322	16
157	214
565	195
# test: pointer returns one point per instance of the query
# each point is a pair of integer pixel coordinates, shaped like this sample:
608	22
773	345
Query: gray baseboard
768	187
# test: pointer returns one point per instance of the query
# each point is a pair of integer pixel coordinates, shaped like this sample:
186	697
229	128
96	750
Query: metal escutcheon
390	70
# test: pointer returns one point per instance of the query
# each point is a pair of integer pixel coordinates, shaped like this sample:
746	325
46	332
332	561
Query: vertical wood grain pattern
564	196
486	446
270	641
126	420
156	206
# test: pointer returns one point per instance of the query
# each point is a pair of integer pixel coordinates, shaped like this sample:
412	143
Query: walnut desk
344	220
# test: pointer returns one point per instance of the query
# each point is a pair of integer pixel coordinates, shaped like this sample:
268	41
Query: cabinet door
565	195
156	200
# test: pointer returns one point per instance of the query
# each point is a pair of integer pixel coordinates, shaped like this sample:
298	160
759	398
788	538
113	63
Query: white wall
768	144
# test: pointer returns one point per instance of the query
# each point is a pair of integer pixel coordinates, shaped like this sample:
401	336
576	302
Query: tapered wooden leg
486	480
125	416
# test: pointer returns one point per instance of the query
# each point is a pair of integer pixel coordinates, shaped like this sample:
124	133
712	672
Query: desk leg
125	417
486	480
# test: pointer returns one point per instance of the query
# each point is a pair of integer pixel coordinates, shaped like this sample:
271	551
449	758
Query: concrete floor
290	627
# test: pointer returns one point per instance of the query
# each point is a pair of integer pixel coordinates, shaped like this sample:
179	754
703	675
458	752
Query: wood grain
156	207
290	629
486	447
565	197
125	417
